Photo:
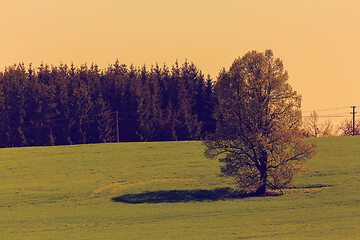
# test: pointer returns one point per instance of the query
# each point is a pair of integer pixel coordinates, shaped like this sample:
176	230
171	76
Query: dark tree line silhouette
60	105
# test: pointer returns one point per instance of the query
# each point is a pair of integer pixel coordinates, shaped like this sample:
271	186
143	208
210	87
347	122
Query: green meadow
169	190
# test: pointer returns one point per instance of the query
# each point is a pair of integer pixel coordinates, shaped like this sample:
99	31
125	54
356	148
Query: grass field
170	191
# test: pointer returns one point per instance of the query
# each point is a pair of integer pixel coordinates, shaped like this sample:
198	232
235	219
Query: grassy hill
170	191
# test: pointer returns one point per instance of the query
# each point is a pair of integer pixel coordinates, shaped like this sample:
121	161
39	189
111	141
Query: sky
318	40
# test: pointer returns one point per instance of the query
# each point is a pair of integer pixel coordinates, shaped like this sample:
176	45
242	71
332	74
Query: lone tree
258	125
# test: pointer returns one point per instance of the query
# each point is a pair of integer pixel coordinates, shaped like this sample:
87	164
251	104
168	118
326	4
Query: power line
23	127
334	115
329	116
76	117
38	123
327	109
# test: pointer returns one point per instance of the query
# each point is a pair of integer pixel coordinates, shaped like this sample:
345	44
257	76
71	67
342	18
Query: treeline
60	105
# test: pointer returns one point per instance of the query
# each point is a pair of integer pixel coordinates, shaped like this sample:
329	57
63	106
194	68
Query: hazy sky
318	40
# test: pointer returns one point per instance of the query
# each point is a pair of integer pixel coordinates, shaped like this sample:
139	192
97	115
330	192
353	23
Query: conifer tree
148	112
3	126
63	123
33	107
208	109
48	104
80	105
14	80
168	117
187	125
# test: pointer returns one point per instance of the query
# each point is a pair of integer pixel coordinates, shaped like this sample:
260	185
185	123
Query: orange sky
318	40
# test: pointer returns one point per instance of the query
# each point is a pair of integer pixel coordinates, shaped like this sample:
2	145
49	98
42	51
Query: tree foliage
258	117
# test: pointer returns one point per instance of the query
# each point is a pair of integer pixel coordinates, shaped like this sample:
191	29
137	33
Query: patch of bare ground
305	189
125	184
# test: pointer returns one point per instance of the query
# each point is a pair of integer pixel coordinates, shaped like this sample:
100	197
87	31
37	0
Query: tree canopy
258	118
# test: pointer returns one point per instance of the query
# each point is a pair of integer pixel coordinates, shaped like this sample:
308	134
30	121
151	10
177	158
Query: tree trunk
261	190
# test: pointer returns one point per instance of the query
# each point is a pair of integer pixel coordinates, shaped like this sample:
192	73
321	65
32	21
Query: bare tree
327	129
312	127
346	127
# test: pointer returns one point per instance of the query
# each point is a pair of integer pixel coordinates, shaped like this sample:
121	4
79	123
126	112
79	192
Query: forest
63	105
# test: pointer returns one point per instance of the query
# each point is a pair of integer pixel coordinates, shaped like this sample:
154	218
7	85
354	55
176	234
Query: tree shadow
175	196
200	195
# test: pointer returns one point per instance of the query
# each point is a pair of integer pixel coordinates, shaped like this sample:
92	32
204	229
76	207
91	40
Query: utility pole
117	126
353	113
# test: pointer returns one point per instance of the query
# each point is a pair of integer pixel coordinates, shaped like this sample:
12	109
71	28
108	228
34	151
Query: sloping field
170	191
